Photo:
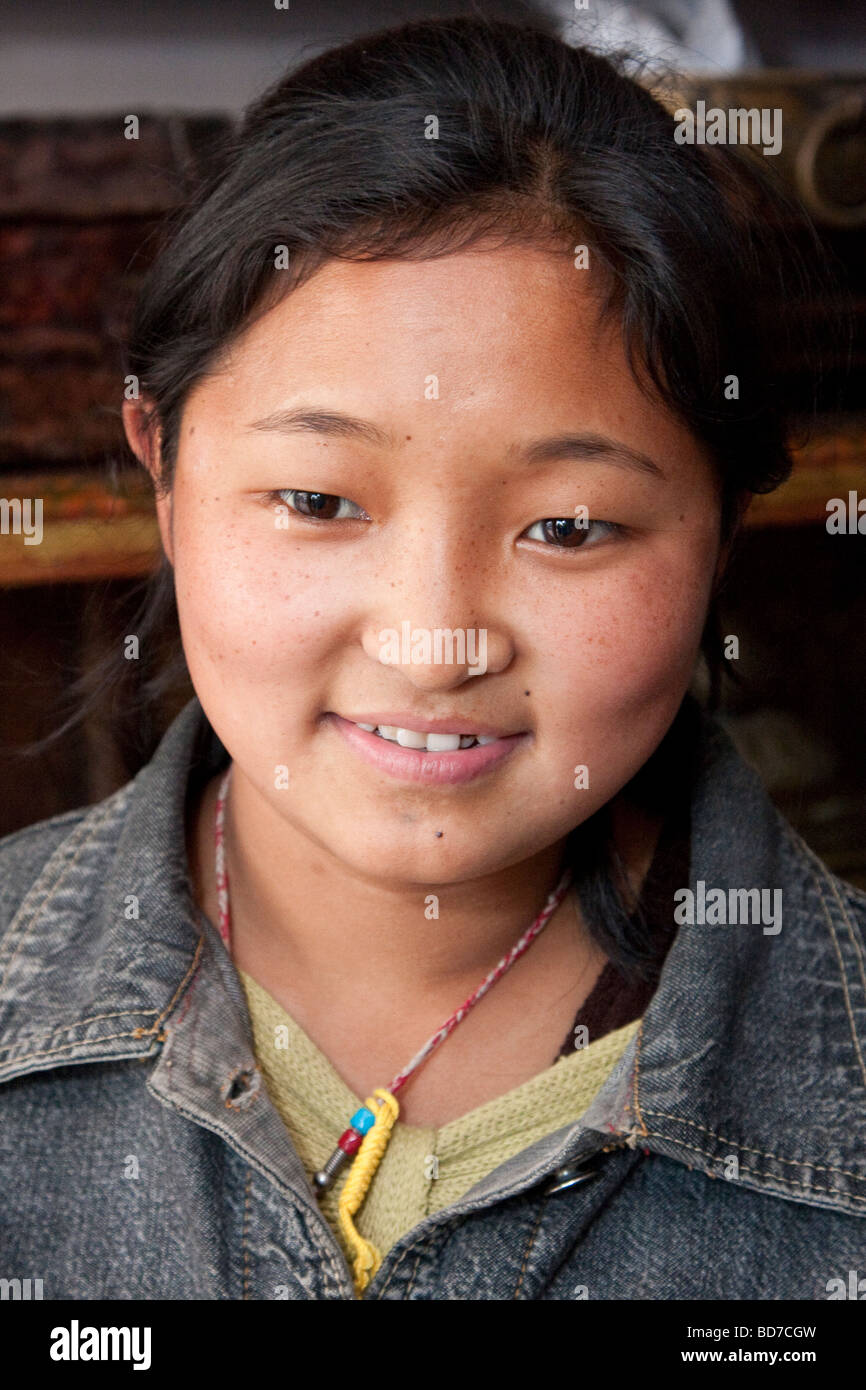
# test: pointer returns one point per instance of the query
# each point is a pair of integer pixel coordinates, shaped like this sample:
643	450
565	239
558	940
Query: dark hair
538	142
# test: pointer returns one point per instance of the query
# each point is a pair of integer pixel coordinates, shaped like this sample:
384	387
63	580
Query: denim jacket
141	1156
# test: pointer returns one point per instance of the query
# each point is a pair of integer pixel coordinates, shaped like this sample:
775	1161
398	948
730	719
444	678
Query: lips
455	724
430	766
428	741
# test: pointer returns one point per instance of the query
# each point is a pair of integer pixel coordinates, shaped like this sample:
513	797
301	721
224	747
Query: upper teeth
434	743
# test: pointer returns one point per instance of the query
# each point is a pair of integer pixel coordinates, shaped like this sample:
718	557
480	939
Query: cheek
250	604
628	644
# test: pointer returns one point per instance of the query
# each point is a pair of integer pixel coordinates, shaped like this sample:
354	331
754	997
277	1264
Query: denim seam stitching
330	1264
80	1022
533	1234
815	862
335	1277
217	1127
446	1226
410	1286
762	1153
844	982
38	887
635	1082
191	969
759	1173
796	843
82	1042
852	934
245	1254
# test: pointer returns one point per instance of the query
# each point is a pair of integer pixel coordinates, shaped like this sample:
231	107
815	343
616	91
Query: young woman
445	948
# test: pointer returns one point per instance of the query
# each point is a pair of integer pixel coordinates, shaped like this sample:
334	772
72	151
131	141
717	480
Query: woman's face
460	369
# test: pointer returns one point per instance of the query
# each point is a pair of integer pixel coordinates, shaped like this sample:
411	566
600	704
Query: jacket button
571	1176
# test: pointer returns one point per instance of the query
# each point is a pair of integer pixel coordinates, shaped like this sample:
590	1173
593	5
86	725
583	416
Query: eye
318	506
564	533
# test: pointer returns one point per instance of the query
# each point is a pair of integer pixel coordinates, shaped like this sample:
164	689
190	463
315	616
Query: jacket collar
750	1063
108	936
751	1060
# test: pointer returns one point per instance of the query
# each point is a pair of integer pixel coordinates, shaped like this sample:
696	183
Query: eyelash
279	497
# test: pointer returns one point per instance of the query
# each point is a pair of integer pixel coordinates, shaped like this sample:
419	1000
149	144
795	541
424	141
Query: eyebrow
578	446
327	422
589	446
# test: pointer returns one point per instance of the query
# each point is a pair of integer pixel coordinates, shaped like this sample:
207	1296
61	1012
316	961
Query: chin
390	857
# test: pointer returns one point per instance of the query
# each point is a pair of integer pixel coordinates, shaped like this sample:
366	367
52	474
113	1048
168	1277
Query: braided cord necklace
369	1129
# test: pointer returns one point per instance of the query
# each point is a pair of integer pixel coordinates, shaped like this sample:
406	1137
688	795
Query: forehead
509	340
480	309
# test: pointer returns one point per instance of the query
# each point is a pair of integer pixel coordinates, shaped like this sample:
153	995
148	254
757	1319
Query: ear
146	443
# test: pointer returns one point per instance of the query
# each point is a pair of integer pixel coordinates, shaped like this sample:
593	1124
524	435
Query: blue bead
362	1120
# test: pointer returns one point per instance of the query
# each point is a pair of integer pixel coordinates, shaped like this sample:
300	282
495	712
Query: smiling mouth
436	740
426	742
427	756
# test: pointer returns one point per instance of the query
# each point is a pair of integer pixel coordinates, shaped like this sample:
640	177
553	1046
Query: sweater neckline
316	1075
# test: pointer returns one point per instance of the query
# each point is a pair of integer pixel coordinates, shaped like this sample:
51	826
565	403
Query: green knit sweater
422	1169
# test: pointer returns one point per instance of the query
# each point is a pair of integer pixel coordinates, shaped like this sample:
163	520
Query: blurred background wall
79	209
205	55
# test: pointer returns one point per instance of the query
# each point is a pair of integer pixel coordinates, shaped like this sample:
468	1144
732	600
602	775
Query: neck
353	933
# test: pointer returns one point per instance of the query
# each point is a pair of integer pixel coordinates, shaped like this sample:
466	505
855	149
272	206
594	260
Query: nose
440	657
442	623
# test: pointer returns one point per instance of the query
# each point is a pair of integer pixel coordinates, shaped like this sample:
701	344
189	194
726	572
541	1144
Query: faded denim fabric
141	1157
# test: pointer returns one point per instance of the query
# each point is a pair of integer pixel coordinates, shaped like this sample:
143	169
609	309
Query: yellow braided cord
373	1145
